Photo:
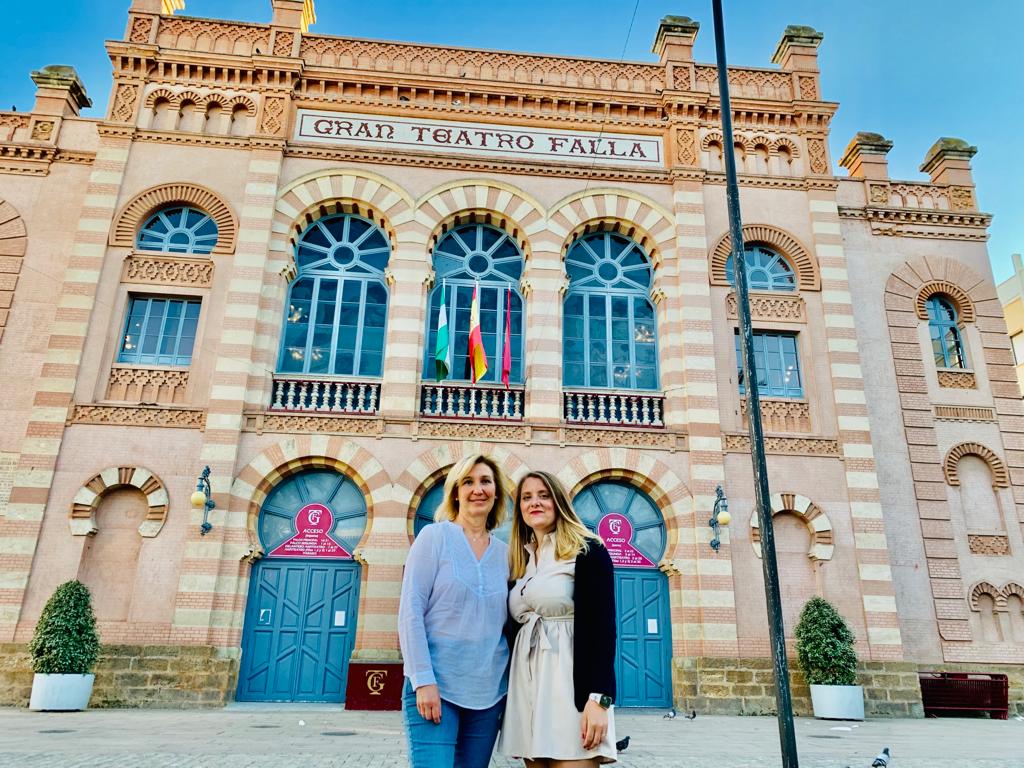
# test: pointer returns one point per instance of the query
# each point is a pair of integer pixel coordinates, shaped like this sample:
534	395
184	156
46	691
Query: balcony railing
617	409
303	393
471	401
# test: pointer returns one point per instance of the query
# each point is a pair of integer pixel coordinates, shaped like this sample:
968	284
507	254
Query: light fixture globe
724	518
198	499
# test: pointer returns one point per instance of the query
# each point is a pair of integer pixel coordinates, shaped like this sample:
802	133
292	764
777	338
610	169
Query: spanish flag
477	355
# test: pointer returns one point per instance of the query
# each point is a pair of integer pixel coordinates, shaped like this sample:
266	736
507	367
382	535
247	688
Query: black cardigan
594	625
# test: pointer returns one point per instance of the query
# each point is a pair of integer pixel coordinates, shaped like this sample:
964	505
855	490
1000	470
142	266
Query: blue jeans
463	739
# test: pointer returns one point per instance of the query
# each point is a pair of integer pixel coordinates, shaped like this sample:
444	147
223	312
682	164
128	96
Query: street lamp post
777	636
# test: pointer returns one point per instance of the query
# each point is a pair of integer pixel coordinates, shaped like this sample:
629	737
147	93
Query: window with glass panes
159	331
485	256
777	362
944	329
337	305
766	270
180	229
609	337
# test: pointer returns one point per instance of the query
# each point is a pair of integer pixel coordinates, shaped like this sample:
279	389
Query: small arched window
468	256
944	329
766	270
609	338
337	305
179	229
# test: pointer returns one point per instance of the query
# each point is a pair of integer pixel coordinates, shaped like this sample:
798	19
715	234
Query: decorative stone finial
865	156
805	39
675	32
61	77
949	161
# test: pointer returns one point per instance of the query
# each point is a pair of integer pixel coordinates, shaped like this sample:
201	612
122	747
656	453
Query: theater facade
241	266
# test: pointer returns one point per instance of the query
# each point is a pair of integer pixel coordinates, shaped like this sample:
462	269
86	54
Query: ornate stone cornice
138	416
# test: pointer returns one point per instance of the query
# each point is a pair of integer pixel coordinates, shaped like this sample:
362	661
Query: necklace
476	538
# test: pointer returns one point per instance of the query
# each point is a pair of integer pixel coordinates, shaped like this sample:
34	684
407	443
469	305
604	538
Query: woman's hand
593	724
428	703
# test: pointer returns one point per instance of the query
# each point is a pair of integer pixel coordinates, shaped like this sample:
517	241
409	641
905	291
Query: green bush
65	641
824	645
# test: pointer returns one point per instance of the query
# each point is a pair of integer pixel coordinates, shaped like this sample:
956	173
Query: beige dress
541	720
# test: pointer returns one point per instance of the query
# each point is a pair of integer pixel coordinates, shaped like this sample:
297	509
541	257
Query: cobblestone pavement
305	737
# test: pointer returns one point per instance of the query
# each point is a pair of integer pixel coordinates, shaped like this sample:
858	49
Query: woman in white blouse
562	680
450	620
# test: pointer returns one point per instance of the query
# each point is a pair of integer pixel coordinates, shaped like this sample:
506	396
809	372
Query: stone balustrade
623	409
324	395
471	401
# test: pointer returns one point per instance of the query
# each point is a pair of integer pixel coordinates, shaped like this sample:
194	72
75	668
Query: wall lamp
719	517
201	500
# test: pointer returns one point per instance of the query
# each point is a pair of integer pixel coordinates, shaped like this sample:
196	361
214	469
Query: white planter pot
838	702
61	693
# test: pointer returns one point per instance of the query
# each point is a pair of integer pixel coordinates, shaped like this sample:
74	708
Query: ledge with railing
310	394
471	401
614	408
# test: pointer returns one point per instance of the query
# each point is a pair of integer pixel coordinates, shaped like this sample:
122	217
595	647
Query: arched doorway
300	617
633	529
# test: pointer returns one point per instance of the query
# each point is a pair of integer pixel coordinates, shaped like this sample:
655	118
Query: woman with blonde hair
450	619
562	680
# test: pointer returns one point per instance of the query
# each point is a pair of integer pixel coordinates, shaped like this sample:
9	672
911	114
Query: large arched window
943	326
338	303
179	229
469	255
766	270
609	338
614	497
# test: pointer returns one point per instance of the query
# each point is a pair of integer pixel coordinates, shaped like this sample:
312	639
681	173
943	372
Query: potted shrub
824	646
64	650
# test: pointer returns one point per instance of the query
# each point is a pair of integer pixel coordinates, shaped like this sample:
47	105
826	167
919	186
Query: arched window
179	229
614	497
338	303
766	270
609	338
469	255
947	344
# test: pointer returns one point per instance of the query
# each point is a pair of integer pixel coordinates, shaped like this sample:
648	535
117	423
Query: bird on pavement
671	714
882	760
621	745
692	715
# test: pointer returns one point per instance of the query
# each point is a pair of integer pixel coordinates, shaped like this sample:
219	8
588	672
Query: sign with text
478	139
311	539
617	533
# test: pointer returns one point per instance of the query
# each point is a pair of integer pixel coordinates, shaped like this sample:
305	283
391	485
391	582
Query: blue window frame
338	303
159	331
610	496
609	335
180	229
944	329
778	364
477	254
766	270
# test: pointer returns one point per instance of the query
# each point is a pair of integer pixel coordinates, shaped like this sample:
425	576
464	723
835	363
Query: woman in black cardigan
562	679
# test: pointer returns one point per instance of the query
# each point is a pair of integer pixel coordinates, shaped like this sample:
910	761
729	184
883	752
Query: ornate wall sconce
719	517
201	500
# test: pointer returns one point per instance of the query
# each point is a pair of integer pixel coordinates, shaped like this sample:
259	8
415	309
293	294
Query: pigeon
621	745
882	760
692	715
671	714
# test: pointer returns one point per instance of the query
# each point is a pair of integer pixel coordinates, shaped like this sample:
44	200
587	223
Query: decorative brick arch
331	191
13	243
647	222
82	516
713	136
423	472
800	259
794	150
961	301
288	457
985	588
1000	474
160	93
244	101
484	201
822	545
133	215
1013	589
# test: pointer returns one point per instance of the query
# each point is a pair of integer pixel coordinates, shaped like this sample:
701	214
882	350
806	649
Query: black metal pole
776	633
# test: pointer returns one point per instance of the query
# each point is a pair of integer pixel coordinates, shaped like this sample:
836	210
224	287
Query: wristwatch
603	699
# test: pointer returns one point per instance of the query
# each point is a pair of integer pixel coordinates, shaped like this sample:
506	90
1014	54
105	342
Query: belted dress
541	719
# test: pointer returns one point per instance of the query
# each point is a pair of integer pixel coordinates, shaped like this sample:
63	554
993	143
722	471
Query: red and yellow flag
477	354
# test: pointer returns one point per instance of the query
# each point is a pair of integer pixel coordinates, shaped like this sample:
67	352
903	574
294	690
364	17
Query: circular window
324	487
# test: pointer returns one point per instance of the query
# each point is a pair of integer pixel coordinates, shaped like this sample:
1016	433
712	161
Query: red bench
961	692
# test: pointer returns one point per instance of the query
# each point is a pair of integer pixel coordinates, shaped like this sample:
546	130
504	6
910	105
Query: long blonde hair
571	536
449	507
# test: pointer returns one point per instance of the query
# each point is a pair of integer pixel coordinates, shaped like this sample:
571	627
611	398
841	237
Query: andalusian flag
477	355
443	349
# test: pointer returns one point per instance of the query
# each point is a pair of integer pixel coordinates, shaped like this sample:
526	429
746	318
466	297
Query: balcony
308	394
471	401
615	409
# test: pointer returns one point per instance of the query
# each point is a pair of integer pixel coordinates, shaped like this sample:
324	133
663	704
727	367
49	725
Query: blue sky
912	71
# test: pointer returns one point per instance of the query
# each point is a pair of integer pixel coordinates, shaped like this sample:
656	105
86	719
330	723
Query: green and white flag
443	349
